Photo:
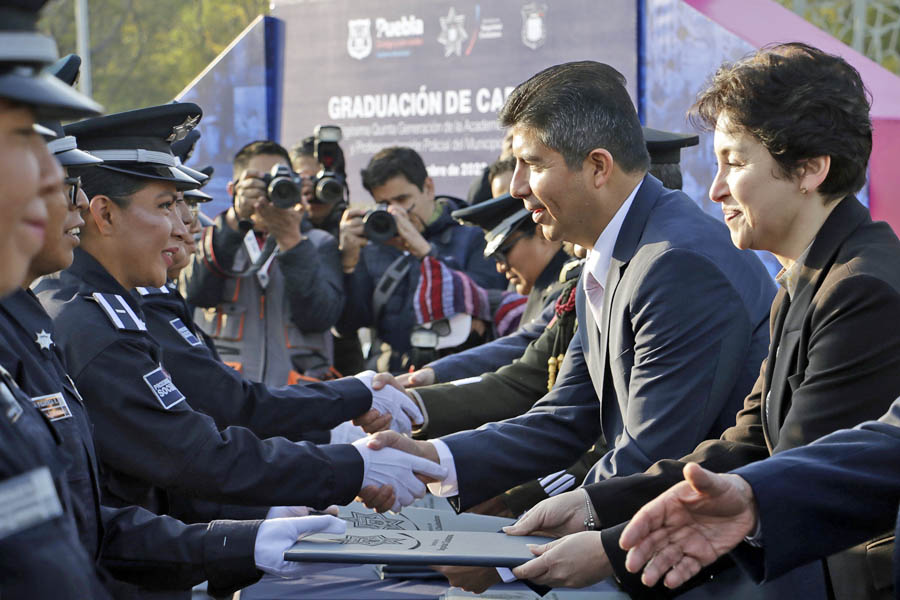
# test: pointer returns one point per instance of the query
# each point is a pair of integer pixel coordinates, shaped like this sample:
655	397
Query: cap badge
179	132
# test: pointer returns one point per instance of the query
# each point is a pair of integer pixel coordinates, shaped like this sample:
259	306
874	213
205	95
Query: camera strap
388	282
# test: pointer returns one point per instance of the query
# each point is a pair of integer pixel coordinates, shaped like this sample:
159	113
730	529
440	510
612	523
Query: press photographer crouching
269	284
381	251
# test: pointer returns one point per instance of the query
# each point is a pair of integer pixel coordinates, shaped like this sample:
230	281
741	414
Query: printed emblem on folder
53	406
162	387
185	332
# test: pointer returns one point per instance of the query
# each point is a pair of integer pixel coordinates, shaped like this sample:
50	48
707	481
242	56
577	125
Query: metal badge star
179	132
453	33
43	340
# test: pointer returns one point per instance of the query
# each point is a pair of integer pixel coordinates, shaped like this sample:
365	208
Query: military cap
63	146
23	53
182	149
665	146
197	195
138	142
499	217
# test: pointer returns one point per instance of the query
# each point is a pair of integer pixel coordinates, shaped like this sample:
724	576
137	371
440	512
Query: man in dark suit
682	318
834	361
773	503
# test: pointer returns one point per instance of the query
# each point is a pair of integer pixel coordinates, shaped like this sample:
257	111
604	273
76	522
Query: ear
100	212
813	172
229	188
428	187
599	165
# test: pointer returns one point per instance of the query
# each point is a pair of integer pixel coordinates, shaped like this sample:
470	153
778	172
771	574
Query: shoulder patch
119	312
162	387
185	332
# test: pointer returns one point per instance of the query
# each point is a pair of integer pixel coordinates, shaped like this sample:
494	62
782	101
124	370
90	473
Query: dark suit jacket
684	322
805	493
834	363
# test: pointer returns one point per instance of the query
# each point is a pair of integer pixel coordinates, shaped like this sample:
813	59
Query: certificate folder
394	547
420	519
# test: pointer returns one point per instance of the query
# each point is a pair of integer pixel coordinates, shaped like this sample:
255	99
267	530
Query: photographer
381	250
319	161
270	281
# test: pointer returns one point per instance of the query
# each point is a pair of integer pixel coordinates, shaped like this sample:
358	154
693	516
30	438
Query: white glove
283	512
277	535
390	400
346	433
397	469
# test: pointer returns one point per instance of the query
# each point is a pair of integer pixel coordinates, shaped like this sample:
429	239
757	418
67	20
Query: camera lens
329	190
379	225
283	192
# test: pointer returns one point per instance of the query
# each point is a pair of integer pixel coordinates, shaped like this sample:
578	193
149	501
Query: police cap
499	217
138	142
182	150
23	53
665	146
63	146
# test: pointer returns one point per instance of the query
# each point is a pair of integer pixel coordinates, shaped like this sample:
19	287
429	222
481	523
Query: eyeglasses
501	254
74	186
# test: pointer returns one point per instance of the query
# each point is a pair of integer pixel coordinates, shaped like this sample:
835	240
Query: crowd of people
576	345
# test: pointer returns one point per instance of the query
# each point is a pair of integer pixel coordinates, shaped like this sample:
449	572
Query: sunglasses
73	185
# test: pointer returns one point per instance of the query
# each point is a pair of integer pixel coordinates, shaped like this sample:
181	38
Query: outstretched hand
689	526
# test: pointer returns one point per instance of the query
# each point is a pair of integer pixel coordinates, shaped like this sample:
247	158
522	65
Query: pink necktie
594	291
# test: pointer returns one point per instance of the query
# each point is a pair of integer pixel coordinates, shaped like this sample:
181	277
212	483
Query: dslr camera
329	183
378	224
282	186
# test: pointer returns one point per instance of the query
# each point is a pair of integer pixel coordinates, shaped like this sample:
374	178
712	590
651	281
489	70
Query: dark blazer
684	332
807	490
834	362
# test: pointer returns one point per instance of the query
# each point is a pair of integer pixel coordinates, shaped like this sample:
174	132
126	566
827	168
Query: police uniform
39	546
131	543
298	412
149	438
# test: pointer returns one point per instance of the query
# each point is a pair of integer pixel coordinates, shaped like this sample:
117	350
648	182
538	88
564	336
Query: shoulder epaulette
119	312
571	270
145	291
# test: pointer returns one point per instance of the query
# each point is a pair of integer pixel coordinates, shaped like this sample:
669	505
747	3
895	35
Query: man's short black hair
391	162
306	147
579	106
800	103
500	166
258	148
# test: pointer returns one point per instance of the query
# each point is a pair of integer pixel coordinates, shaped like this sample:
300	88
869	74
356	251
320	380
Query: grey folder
416	548
420	519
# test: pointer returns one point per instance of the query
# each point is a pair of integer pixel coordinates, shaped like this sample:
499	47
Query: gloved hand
387	399
397	469
277	535
283	512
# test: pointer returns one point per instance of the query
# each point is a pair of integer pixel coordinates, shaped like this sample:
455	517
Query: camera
378	224
282	186
330	182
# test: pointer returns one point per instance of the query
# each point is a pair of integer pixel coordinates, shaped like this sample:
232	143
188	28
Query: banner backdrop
433	75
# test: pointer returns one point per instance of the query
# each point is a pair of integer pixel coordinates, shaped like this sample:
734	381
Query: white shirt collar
601	254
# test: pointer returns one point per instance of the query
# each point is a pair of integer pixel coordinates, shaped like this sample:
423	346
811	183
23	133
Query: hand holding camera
273	201
352	237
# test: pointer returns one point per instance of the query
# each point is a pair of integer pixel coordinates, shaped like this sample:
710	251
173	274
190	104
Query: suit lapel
784	361
626	245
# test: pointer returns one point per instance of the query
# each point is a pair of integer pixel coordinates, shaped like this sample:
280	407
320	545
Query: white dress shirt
597	266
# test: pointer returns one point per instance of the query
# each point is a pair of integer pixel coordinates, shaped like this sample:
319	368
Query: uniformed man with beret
149	437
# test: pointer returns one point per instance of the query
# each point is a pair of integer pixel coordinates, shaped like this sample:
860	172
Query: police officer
130	542
530	262
149	438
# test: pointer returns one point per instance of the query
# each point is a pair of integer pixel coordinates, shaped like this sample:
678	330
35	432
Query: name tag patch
53	406
27	500
184	332
162	387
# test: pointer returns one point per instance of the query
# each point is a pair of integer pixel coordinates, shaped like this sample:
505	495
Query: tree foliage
144	52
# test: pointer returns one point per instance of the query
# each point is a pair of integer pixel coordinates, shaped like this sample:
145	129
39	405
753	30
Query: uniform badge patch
27	500
185	332
53	406
162	387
